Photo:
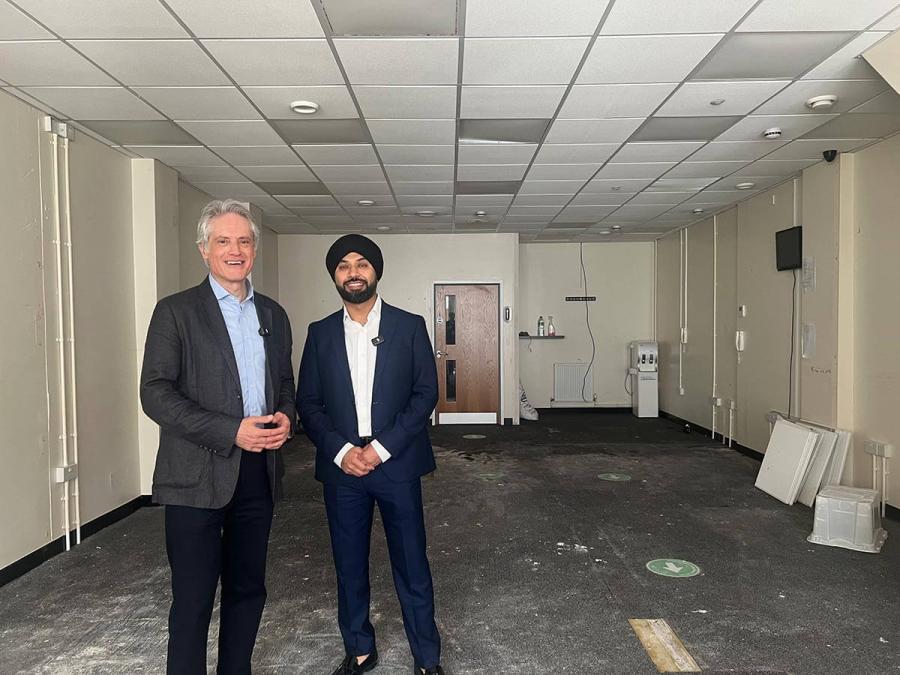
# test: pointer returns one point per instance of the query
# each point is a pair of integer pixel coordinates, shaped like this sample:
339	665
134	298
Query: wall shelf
542	337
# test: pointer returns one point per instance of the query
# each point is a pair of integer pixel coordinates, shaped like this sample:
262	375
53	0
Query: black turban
354	243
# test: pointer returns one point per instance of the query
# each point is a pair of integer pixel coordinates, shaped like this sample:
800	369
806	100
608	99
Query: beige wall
876	319
413	264
190	203
24	451
621	276
668	321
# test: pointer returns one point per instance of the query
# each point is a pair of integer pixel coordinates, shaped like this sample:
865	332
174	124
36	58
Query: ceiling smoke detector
615	227
821	102
366	202
426	214
745	186
305	107
697	211
717	101
772	133
383	228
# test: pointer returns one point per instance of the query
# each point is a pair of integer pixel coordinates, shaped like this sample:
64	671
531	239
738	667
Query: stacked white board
787	459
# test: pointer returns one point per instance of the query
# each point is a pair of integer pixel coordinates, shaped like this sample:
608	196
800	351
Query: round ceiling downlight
305	107
821	102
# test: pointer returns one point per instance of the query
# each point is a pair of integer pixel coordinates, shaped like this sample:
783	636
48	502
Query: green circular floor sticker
614	476
672	567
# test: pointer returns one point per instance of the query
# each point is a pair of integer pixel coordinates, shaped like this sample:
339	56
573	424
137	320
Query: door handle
439	354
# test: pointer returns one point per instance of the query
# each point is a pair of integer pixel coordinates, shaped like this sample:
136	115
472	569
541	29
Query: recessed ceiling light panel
305	107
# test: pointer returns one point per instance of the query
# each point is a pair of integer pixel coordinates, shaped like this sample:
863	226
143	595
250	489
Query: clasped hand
251	435
360	461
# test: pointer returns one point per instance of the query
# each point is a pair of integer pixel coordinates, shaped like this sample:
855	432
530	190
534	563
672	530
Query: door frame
494	281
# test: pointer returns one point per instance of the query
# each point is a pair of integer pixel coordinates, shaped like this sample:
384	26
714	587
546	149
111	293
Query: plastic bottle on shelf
551	329
540	326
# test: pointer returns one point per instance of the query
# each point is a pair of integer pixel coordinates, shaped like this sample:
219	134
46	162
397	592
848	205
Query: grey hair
219	207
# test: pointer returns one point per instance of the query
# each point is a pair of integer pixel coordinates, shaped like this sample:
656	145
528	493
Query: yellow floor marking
663	646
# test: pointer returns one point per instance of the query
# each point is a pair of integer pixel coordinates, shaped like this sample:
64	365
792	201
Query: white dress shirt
361	355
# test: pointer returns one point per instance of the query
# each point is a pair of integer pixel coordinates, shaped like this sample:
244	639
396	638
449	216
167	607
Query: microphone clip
377	340
263	332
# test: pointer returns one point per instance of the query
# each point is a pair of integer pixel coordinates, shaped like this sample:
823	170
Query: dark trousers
350	510
206	544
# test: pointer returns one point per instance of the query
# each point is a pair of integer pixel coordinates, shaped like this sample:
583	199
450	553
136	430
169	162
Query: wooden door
467	353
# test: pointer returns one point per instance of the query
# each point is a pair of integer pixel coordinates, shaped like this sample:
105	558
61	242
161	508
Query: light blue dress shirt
242	323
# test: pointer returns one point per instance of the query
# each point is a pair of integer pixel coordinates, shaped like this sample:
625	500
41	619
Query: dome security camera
830	155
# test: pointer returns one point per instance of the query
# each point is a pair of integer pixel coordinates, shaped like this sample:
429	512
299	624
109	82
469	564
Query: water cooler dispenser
644	374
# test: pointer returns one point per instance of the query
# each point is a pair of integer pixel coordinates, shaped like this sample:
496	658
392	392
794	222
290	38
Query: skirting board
57	546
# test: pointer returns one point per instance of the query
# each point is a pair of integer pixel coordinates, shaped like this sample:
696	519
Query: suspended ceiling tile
391	17
407	102
419	172
542	200
297	172
400	60
469	172
209	174
357	153
815	15
178	155
587	153
704	169
522	60
776	167
530	212
729	183
792	126
768	56
661	198
488	202
585	198
95	103
496	153
132	132
199	103
487	18
656	152
228	132
382	199
278	63
890	22
348	173
683	128
322	131
275	102
105	19
693	99
685	16
153	62
667	184
266	155
502	130
550	187
241	19
225	190
850	93
292	228
417	154
635	170
598	101
293	200
562	171
745	151
50	63
14	25
359	187
640	212
644	58
886	102
812	149
593	131
579	214
411	203
423	187
487	187
627	185
853	125
847	63
510	102
436	132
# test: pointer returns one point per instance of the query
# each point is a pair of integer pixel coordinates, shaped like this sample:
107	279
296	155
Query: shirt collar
374	313
220	292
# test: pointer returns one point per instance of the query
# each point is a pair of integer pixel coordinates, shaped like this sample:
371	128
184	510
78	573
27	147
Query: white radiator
568	379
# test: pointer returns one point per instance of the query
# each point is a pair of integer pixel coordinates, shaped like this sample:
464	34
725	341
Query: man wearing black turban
367	388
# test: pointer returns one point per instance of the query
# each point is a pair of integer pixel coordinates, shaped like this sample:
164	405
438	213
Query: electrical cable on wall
791	366
587	319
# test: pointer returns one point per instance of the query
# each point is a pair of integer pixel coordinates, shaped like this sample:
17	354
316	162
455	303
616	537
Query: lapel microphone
263	332
377	340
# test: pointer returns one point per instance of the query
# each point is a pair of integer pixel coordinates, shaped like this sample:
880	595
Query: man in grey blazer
217	378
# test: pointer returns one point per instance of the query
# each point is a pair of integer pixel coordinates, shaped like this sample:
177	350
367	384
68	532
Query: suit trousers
206	544
350	510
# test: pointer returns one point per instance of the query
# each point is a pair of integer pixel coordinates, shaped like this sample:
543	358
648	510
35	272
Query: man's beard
360	296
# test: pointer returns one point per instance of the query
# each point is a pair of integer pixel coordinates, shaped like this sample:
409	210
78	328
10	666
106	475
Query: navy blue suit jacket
404	393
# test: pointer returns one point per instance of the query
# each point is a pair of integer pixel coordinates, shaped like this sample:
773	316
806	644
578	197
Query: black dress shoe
350	666
436	670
